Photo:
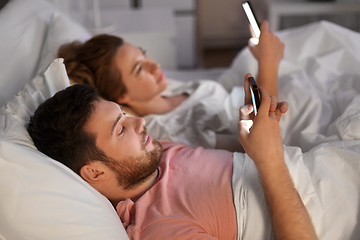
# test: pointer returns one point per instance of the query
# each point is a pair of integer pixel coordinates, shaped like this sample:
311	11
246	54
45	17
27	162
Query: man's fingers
245	111
247	99
283	106
244	129
273	115
265	102
273	103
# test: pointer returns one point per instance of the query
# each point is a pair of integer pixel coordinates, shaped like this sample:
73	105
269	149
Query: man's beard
132	171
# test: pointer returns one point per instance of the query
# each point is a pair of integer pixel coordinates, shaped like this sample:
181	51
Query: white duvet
320	78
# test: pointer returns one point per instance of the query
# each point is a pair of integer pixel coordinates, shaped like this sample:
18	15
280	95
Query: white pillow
39	197
23	27
62	29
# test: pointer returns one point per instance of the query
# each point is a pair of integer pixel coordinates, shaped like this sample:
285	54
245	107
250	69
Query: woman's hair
92	62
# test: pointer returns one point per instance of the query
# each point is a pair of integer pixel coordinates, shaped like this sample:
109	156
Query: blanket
327	179
320	78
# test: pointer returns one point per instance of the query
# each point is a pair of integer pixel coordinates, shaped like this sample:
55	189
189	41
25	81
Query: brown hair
92	63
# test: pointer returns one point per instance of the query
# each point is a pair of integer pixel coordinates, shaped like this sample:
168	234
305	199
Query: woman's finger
264	26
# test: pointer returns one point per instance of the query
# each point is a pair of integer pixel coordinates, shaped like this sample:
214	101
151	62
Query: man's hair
57	127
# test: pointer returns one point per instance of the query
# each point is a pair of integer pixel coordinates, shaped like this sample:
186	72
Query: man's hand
260	136
278	107
261	139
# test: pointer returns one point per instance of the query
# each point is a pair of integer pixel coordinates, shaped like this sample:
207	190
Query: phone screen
252	19
255	94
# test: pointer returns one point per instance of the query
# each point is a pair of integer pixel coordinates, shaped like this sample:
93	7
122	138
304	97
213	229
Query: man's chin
157	149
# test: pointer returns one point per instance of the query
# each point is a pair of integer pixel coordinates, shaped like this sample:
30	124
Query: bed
42	199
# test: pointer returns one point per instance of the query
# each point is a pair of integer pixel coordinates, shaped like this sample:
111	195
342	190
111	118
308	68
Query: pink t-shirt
192	198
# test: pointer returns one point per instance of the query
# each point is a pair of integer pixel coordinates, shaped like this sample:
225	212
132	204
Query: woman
195	113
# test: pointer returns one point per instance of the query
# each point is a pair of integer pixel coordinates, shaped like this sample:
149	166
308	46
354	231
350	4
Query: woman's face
142	77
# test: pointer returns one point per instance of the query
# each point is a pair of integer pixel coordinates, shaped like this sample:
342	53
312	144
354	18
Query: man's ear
93	172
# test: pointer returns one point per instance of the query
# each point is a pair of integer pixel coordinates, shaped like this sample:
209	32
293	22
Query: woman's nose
153	66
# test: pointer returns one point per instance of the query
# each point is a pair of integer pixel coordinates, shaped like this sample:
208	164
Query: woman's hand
269	49
268	53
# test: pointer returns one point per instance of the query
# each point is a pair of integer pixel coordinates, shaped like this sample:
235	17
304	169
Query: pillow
23	27
40	197
62	29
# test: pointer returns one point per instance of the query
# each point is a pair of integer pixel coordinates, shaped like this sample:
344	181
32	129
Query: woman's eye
143	51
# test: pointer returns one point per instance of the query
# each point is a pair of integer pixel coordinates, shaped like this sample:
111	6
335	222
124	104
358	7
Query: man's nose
139	124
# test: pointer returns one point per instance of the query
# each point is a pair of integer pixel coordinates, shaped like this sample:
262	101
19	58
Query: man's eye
120	130
139	70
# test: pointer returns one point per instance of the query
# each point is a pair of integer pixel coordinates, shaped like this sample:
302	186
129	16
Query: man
167	190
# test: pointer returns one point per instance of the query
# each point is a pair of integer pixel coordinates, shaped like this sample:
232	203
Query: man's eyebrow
135	66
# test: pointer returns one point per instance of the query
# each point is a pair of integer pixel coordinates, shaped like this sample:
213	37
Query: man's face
133	154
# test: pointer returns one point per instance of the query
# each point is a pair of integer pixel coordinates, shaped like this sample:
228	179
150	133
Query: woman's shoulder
179	87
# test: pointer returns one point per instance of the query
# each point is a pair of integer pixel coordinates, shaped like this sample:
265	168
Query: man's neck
146	185
135	193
